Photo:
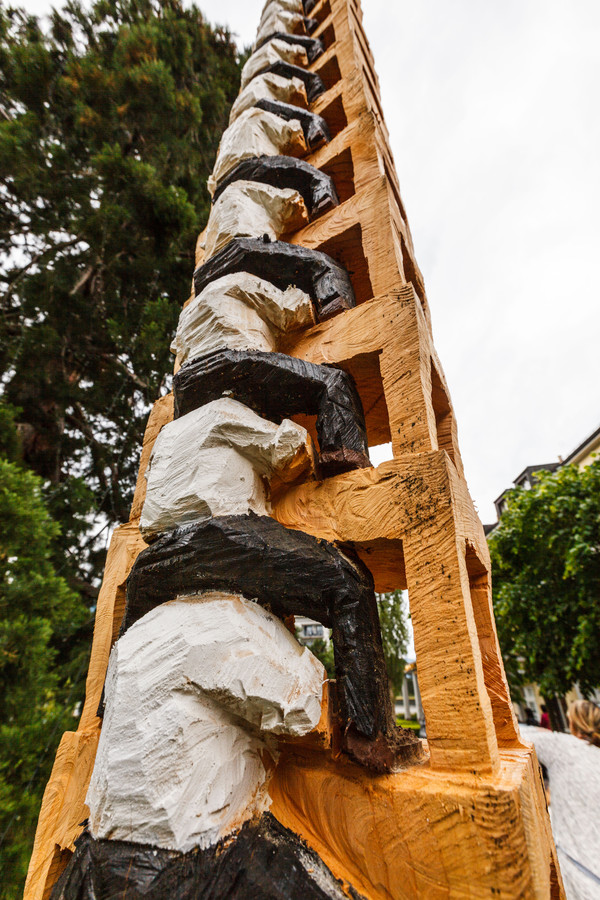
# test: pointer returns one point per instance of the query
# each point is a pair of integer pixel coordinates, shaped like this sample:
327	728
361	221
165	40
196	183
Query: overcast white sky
494	117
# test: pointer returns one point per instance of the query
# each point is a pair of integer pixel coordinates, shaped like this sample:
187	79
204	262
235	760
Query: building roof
587	446
581	452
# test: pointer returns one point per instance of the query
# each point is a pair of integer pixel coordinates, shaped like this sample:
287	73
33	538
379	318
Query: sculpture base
422	833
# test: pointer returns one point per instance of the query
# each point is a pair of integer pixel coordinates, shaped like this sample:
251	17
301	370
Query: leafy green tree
324	653
38	615
111	116
546	574
394	633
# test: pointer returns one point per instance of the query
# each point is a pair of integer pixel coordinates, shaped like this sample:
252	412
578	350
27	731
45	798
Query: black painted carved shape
316	187
290	573
313	46
308	5
315	128
283	264
265	861
313	83
278	386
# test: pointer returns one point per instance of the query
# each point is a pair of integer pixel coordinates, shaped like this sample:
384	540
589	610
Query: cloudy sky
494	119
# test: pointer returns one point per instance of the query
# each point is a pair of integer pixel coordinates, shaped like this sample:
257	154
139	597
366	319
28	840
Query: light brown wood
421	833
471	820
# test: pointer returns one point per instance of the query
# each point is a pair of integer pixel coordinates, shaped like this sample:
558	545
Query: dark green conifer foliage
110	117
109	126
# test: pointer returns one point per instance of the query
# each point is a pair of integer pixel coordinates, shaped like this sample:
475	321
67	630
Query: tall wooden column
471	820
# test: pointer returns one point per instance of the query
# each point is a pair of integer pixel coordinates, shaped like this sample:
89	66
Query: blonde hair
585	719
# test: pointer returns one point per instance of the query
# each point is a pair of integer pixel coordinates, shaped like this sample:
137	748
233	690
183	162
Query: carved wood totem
213	758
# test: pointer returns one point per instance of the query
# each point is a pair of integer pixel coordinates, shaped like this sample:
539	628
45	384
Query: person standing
545	719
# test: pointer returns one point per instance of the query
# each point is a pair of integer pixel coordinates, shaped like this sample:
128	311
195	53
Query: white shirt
574	774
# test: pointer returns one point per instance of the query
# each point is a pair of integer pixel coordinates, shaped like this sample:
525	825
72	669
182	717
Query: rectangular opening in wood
480	591
341	170
443	414
390	175
411	275
321	12
327	36
385	560
335	116
408	704
347	250
330	72
366	372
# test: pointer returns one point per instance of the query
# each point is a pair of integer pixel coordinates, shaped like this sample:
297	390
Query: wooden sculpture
213	759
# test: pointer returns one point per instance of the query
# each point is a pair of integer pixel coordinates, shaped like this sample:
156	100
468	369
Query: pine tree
110	122
110	117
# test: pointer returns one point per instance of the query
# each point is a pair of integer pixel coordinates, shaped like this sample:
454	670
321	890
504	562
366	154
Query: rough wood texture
266	862
239	312
312	45
421	502
195	693
272	86
471	821
315	128
421	834
313	83
63	806
270	52
218	460
317	274
256	132
317	188
249	209
290	573
275	386
279	20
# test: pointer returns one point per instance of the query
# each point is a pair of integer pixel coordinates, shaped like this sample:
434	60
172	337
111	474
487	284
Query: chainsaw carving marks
205	679
211	765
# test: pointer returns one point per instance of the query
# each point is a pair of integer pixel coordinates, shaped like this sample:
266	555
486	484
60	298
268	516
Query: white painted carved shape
240	312
218	461
250	209
279	20
256	132
274	51
195	691
270	86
